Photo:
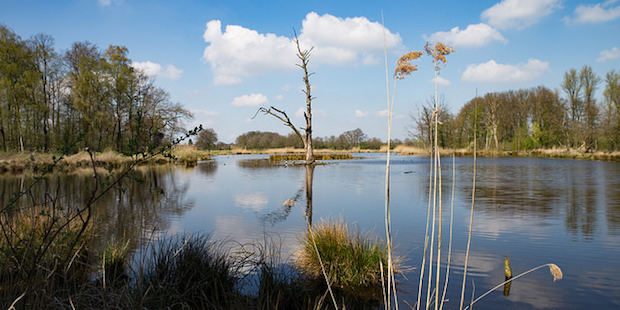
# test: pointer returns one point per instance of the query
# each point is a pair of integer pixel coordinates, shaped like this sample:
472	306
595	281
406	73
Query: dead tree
306	137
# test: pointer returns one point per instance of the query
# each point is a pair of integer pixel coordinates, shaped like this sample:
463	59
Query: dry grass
39	162
188	154
352	260
302	157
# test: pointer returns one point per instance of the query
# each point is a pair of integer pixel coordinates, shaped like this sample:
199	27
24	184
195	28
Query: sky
223	60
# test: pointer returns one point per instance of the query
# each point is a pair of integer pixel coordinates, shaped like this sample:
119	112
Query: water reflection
140	204
284	211
534	211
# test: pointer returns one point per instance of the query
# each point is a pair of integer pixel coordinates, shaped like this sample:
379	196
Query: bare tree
572	87
589	82
306	137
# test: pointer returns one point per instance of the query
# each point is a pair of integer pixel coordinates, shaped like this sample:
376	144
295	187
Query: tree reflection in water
284	211
141	204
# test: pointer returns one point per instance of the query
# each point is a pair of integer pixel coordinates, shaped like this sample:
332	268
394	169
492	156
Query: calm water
534	211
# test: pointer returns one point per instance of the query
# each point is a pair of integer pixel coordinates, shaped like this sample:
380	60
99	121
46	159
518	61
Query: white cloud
251	100
154	69
441	81
472	36
519	13
104	2
597	13
360	113
607	55
491	71
344	40
239	52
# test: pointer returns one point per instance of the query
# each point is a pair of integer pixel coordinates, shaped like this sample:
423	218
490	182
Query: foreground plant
352	261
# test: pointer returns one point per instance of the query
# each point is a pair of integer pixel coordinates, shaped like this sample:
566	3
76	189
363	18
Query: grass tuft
193	272
353	261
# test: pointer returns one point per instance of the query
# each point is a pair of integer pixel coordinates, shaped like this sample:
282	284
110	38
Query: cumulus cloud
519	13
472	36
251	100
345	40
607	55
360	113
154	69
491	71
597	13
238	52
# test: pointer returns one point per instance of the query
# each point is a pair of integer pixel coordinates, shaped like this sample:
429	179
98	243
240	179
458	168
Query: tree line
50	99
531	118
347	140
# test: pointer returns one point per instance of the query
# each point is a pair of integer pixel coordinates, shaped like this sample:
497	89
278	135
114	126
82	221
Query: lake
533	211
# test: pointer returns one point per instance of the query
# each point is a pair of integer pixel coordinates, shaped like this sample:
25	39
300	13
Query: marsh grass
41	162
114	264
192	272
353	261
299	157
43	254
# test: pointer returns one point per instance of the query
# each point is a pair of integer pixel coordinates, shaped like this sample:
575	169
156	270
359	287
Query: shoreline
24	162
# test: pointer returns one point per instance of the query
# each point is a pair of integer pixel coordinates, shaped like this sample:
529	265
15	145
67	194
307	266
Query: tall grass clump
353	261
192	272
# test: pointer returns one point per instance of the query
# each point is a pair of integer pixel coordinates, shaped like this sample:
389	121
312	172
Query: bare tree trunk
306	138
304	56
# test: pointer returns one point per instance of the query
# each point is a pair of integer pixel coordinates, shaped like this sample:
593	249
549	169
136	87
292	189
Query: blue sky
224	59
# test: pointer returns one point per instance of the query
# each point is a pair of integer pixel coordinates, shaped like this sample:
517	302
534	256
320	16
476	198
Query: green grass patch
353	261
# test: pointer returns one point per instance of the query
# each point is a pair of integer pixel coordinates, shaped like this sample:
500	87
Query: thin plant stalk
428	216
471	219
388	228
439	193
555	271
318	255
426	238
445	287
403	69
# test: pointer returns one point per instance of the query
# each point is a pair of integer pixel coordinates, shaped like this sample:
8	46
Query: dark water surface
533	211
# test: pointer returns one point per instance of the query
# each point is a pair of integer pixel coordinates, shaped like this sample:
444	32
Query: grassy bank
189	156
542	153
40	162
